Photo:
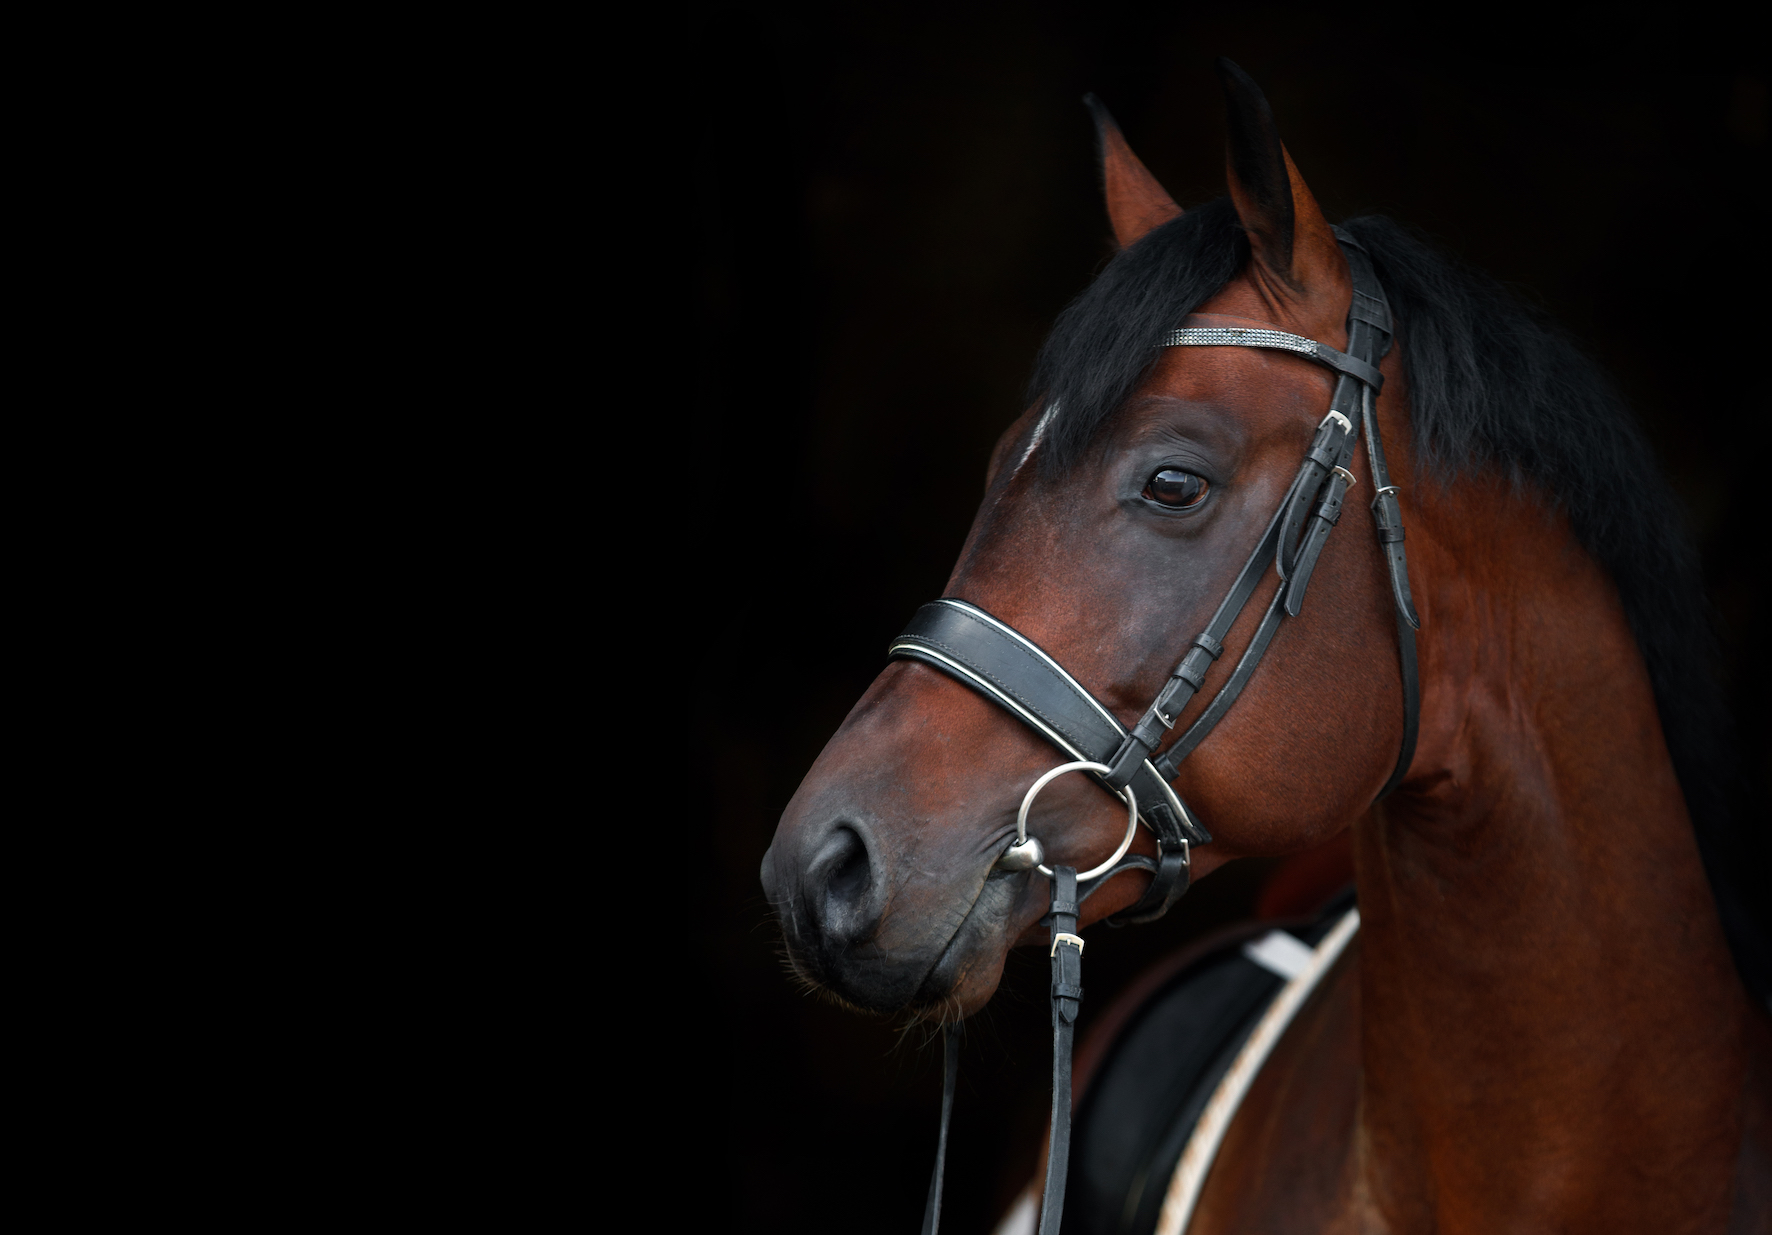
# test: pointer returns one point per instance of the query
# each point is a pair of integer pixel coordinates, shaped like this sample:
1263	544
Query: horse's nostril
849	875
846	870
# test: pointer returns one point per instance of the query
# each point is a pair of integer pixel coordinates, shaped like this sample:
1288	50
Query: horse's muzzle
855	928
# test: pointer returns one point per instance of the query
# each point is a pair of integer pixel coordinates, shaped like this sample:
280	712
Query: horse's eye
1174	488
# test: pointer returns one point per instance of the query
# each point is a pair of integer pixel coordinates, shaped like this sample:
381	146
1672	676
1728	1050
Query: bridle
991	657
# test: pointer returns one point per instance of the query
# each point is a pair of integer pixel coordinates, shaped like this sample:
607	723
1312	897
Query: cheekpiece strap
1319	489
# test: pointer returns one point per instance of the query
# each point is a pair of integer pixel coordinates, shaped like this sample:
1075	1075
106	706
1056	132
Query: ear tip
1105	125
1232	75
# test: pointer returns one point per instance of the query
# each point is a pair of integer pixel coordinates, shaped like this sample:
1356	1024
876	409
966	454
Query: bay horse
1539	1025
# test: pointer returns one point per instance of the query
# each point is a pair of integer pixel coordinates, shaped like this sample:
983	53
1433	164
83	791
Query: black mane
1493	387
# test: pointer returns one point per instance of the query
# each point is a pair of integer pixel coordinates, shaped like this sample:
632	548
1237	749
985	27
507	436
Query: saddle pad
1147	1094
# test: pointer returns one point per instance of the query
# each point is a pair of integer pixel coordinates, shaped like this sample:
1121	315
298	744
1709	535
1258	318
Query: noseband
1006	667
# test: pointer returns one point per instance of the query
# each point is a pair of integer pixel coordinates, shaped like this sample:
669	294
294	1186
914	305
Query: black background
894	202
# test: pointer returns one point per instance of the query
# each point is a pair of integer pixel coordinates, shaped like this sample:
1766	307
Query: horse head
1545	994
1118	509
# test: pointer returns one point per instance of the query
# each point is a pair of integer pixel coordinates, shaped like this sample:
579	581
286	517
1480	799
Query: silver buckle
1058	939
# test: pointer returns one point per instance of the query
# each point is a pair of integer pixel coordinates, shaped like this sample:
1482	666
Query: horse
1550	1016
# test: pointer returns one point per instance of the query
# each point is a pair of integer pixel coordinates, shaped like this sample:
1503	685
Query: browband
1233	336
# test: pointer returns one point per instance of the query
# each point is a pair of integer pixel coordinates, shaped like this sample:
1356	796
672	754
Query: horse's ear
1287	231
1136	203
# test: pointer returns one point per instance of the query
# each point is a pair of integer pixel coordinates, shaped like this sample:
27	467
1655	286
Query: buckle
1058	939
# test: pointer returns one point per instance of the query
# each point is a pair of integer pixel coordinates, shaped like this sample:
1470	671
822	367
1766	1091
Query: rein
991	657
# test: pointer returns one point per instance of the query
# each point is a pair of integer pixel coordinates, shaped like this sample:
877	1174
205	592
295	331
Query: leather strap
1411	704
1387	514
1067	998
1328	450
1171	875
950	1075
1007	668
1170	762
1325	517
1208	645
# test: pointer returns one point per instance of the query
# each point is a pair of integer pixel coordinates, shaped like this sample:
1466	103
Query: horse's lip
926	1001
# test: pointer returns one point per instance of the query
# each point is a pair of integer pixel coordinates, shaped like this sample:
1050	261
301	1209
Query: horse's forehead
1251	396
1239	298
1314	317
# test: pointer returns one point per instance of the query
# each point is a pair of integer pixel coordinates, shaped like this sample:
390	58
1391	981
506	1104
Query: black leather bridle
1011	670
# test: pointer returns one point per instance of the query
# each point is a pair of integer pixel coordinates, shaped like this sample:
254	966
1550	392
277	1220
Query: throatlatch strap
950	1074
1387	514
1411	703
1067	997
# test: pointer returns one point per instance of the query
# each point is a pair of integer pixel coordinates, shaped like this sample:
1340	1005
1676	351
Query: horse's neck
1551	1019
